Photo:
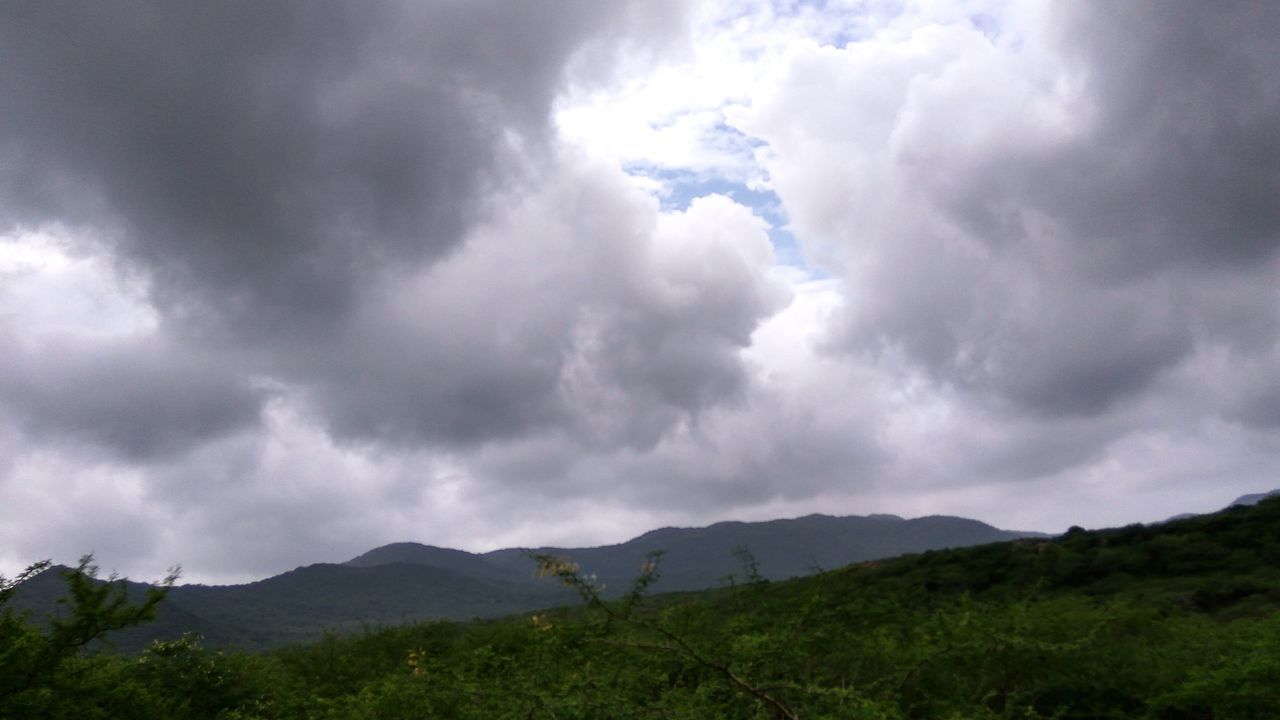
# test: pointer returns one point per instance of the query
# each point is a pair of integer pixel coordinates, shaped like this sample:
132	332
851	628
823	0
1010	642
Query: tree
32	656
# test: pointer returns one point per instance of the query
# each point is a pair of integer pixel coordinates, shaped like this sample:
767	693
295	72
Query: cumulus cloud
1035	217
261	162
345	235
279	283
141	398
579	305
265	170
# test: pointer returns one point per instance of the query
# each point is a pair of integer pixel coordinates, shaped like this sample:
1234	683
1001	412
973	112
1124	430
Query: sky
283	282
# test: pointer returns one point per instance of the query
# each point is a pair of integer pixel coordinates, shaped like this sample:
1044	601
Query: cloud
580	306
1021	224
281	177
141	398
1177	163
575	313
262	163
281	283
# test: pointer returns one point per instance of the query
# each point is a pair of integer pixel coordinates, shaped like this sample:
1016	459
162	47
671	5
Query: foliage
39	666
1168	622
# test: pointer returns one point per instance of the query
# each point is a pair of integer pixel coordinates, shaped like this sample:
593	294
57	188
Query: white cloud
1030	299
51	289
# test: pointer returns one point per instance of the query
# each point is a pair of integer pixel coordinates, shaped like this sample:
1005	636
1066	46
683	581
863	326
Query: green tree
33	657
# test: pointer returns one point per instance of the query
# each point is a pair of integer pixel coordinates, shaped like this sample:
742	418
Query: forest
1174	620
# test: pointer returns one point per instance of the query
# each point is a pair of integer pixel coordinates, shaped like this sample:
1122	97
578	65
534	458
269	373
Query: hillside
1254	498
697	558
1173	621
403	582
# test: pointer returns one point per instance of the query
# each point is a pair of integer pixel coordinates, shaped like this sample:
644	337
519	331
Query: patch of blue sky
682	187
987	24
841	22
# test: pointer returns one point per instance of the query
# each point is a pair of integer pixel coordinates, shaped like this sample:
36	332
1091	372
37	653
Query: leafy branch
571	576
32	657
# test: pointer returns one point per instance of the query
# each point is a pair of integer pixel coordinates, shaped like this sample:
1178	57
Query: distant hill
403	582
1174	620
1243	500
302	604
1253	499
697	558
412	553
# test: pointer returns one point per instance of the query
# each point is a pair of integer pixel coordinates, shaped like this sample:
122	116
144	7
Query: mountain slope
404	582
696	558
412	553
1254	498
1243	500
1180	620
1176	620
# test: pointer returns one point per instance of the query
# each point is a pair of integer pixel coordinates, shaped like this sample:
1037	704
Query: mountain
1243	500
404	582
696	558
1176	620
411	553
302	604
1253	499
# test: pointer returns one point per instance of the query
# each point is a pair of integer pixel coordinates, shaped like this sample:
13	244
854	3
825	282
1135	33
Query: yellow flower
416	657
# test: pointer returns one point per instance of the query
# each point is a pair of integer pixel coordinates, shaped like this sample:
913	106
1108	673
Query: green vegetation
42	667
1180	620
406	582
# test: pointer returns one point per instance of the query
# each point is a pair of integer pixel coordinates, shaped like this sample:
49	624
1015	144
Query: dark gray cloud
572	310
1074	299
139	398
261	161
1172	173
777	444
1253	391
367	293
1053	230
273	170
1170	157
1179	161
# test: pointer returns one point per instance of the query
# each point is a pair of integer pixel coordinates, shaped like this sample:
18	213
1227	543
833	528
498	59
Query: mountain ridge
1253	498
695	558
408	581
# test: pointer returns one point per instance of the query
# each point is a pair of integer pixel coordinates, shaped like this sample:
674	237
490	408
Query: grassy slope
405	582
1171	621
1180	620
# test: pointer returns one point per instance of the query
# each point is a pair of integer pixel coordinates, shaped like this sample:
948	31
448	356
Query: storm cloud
263	163
1051	235
282	282
266	169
